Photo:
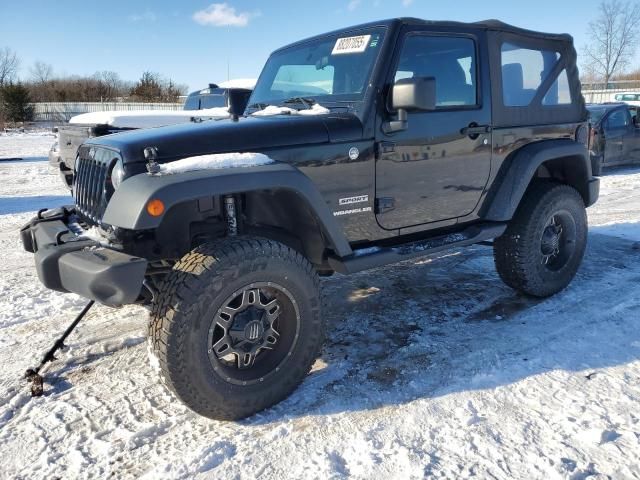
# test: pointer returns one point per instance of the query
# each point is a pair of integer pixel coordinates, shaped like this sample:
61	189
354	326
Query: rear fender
562	159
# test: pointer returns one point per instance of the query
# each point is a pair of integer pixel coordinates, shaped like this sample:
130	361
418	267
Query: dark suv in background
213	97
614	135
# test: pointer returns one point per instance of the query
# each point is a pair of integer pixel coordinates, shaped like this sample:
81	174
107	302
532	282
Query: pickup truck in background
211	103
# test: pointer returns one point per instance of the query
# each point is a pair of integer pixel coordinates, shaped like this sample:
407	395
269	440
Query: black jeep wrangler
376	144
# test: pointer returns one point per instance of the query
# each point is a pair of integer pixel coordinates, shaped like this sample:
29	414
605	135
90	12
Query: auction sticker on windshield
351	45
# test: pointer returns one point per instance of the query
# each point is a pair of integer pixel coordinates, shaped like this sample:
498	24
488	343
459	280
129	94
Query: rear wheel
543	246
237	326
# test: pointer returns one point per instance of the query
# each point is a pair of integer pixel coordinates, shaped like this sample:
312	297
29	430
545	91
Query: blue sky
190	41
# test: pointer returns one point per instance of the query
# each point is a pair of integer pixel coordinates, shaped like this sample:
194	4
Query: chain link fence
60	112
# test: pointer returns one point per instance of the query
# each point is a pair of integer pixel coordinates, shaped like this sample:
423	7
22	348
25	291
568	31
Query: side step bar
367	258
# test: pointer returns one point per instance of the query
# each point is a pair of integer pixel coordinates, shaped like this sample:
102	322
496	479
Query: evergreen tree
148	88
15	103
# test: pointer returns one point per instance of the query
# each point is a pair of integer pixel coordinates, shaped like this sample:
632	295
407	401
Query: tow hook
33	374
151	155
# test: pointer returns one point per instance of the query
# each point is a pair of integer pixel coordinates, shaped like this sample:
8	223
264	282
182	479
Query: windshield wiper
307	102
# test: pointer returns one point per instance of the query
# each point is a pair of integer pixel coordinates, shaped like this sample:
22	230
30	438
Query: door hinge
384	204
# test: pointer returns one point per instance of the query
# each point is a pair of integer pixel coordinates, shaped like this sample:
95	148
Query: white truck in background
211	103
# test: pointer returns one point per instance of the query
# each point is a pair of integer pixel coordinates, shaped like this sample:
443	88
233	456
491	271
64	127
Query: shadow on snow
437	326
12	205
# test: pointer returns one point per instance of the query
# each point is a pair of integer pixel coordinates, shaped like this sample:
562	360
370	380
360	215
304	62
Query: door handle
474	130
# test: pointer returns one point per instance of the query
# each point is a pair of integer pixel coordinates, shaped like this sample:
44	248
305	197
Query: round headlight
117	174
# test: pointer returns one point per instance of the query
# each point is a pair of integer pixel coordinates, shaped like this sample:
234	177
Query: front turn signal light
155	207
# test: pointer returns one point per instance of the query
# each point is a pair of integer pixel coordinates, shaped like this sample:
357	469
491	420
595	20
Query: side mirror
418	93
237	99
410	94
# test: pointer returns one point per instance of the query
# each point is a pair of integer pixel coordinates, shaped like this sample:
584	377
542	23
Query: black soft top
489	25
498	34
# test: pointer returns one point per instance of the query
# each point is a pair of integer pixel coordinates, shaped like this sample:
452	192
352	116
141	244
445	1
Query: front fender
127	207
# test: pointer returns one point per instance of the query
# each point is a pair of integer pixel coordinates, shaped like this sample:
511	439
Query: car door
632	137
615	127
438	167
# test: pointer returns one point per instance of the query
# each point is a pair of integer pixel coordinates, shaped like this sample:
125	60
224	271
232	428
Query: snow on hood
316	109
215	161
148	118
246	83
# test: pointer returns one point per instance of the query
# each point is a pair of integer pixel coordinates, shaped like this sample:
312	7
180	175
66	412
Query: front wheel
237	326
543	246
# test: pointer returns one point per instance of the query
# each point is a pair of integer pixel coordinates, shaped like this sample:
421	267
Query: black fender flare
127	206
521	166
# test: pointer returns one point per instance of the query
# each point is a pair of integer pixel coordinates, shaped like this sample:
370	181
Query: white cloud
406	3
147	16
223	15
353	4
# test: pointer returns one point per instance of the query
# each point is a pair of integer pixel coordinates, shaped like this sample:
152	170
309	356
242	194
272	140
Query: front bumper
56	162
54	159
68	262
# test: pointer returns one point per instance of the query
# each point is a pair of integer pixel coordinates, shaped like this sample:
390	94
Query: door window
618	119
450	60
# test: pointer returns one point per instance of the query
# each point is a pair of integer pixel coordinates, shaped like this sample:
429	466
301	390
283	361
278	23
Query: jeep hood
248	134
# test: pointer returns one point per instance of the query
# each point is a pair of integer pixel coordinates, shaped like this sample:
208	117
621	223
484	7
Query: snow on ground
29	145
432	368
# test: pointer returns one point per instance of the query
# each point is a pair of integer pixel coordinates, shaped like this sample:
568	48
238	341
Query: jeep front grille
92	184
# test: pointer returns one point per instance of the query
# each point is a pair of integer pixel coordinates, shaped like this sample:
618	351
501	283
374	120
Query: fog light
155	207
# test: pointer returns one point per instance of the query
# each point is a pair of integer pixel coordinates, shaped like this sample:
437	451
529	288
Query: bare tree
41	72
114	86
613	38
9	64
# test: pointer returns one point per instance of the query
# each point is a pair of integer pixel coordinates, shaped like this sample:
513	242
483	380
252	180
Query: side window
213	101
450	60
618	119
192	103
559	93
523	71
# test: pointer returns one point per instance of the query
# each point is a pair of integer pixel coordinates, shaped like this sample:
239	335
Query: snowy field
432	369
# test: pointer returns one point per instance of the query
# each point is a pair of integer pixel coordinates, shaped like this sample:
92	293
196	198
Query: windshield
596	114
329	70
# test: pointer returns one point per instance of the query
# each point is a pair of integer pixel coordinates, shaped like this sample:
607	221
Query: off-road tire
517	253
188	300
